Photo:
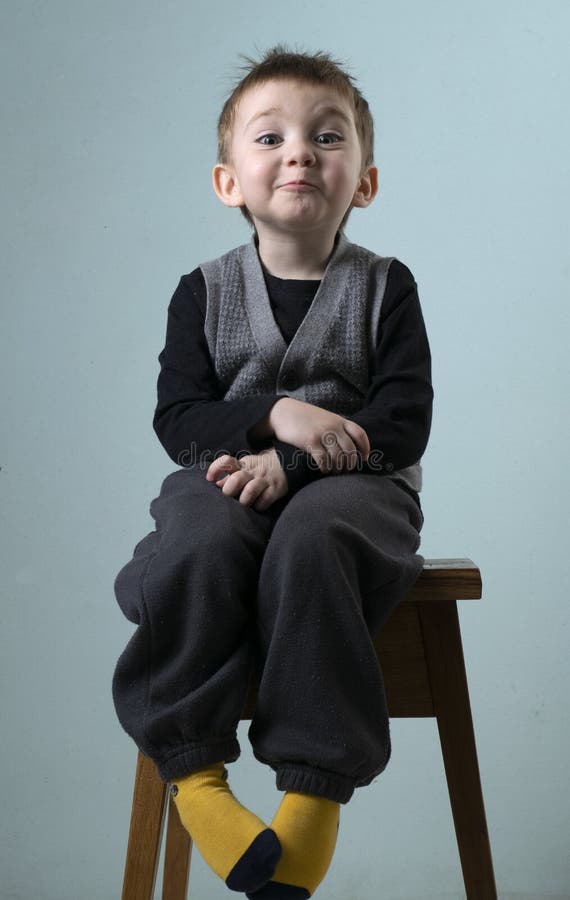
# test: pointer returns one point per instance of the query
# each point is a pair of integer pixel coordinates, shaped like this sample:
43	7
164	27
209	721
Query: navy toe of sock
254	869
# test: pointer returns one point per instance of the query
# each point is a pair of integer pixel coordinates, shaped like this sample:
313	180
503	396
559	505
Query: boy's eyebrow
331	109
260	115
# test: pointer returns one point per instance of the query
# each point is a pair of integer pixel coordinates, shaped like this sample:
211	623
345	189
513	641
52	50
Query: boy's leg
342	554
180	685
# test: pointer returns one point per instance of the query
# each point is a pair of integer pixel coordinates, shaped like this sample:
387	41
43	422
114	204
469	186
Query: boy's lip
298	184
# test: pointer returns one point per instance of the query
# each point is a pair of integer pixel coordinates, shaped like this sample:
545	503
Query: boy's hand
333	441
259	479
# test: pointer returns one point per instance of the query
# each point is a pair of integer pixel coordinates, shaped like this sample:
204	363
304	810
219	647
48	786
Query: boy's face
296	159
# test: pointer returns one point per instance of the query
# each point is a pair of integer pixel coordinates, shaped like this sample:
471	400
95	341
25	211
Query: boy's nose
301	154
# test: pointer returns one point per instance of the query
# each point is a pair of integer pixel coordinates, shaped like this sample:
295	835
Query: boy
295	392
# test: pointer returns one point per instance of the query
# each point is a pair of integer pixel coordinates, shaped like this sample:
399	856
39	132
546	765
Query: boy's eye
268	139
328	138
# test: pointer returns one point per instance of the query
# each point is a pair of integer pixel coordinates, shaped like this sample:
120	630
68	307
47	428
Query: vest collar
265	330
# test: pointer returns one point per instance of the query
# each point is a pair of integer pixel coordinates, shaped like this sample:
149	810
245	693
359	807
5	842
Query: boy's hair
318	68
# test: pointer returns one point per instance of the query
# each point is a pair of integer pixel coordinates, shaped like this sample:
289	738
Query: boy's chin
296	222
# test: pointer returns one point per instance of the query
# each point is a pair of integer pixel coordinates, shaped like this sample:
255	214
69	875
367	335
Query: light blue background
108	121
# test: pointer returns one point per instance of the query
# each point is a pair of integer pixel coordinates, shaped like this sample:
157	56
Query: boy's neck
303	257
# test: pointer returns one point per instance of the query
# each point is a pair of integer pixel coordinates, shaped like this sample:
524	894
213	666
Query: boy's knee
305	529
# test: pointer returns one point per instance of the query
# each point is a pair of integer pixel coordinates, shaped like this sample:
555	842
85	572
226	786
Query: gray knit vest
327	362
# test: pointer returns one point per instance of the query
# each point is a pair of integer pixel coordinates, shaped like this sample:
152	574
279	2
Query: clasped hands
258	479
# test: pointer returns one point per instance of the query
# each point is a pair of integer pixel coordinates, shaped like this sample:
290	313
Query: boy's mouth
299	185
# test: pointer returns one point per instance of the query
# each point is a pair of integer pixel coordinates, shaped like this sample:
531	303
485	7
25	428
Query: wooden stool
421	656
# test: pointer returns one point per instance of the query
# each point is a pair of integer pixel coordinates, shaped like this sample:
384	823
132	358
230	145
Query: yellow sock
235	843
307	828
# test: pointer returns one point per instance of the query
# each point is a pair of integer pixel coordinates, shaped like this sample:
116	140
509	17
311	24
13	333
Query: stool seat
421	656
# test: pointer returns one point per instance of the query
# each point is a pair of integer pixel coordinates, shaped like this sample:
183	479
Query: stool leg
177	857
145	833
446	666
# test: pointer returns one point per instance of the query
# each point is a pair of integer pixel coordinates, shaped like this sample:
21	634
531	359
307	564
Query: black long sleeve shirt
193	419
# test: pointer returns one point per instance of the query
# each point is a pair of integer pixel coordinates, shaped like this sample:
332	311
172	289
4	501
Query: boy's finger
252	492
235	482
341	453
345	462
224	465
322	462
348	455
264	500
359	437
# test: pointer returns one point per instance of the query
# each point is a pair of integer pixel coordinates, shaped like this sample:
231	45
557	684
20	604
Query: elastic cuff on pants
189	759
304	780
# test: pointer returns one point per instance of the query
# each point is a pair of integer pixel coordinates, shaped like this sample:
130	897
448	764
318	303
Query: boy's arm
192	420
398	409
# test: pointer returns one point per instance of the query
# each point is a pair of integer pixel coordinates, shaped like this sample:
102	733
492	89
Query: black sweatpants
297	592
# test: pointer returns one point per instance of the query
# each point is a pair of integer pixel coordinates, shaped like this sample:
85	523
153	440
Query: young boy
295	392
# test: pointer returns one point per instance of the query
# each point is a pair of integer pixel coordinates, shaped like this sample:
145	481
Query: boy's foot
235	843
307	827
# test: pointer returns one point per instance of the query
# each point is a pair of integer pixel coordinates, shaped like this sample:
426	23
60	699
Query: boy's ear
367	188
225	185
